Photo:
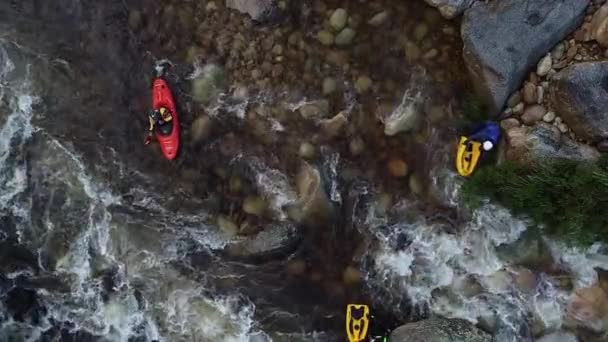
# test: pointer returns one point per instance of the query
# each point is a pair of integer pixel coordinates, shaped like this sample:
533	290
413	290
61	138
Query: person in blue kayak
487	134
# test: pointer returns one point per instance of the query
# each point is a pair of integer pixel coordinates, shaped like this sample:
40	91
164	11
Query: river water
102	240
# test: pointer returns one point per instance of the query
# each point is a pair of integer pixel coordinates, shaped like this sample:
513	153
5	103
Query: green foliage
565	199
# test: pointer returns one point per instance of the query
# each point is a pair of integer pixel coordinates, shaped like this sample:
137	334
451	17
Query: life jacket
165	115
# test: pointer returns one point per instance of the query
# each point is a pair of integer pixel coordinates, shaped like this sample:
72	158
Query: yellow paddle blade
467	156
357	322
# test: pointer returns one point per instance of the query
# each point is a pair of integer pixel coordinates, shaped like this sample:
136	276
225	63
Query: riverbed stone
329	86
509	123
439	329
529	92
599	26
450	9
362	84
559	336
533	114
544	66
345	37
254	205
325	37
307	150
200	128
589	308
504	39
313	201
397	167
338	19
379	18
208	85
544	141
549	117
579	94
258	10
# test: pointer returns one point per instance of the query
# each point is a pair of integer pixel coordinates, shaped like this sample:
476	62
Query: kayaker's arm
148	138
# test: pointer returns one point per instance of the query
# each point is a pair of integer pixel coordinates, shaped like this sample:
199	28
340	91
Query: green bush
565	199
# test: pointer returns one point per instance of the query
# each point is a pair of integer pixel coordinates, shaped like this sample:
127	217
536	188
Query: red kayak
167	134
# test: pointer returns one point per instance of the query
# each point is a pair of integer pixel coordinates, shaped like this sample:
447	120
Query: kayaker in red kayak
157	117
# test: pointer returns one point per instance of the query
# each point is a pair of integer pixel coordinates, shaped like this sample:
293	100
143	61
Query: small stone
254	205
338	19
540	94
378	19
533	114
356	146
420	31
549	117
571	52
543	67
296	267
334	126
325	37
134	20
211	6
509	123
329	86
315	110
200	128
397	168
235	184
558	52
432	53
345	37
562	127
435	114
529	93
518	109
414	184
558	120
412	52
227	226
514	99
602	146
351	276
307	150
362	84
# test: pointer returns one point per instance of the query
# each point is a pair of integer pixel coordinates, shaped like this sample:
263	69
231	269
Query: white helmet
487	145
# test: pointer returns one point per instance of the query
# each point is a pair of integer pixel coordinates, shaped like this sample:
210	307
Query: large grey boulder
544	141
439	330
579	94
504	39
450	8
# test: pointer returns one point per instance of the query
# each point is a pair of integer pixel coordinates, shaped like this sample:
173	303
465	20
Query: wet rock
504	39
296	267
519	108
558	337
540	94
227	226
529	93
509	123
362	84
602	146
415	185
514	99
351	276
579	94
544	66
314	110
420	31
412	52
397	167
333	127
255	205
259	10
356	146
200	129
545	141
329	86
533	114
325	37
439	329
313	201
589	308
345	37
208	85
449	9
379	18
338	19
275	239
307	150
599	26
135	19
407	115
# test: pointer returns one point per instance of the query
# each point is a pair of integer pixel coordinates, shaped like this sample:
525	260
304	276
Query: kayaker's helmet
155	115
163	110
487	145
